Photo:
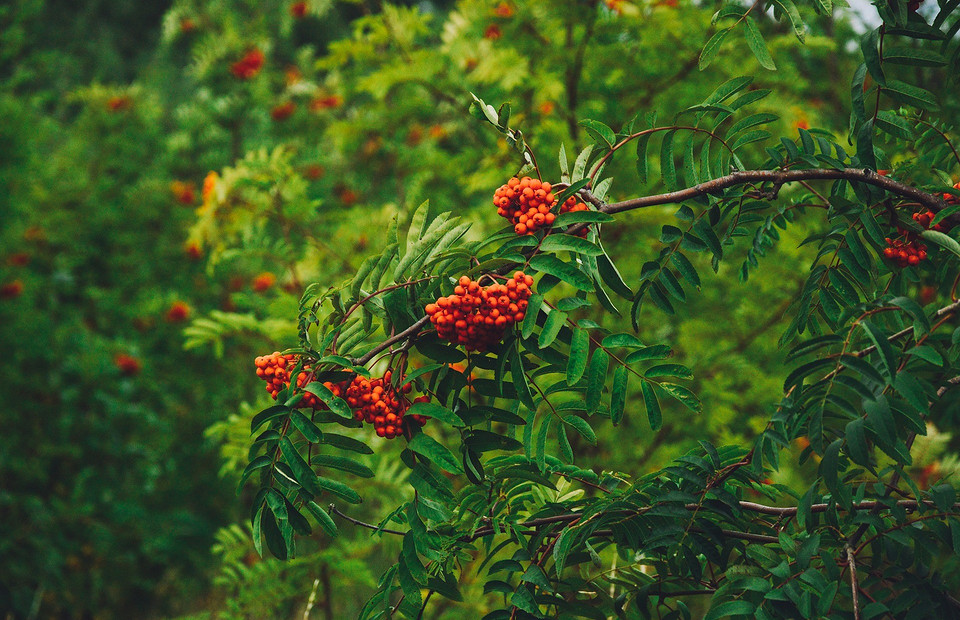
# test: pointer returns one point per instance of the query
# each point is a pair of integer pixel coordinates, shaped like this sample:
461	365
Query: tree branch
386	344
779	177
369	526
854	586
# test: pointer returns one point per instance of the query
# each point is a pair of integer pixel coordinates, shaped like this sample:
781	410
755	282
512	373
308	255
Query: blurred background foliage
138	287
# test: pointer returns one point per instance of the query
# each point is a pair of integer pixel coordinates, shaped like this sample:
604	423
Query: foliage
868	374
646	441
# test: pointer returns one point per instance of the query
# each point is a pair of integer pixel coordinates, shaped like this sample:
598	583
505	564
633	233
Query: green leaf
346	443
436	412
710	50
418	224
879	340
564	271
652	405
894	125
558	242
561	548
618	396
942	240
551	328
682	394
668	168
669	370
944	214
686	269
914	56
654	352
622	340
309	430
524	600
579	351
581	426
580	165
728	89
520	382
336	404
910	388
258	463
343	464
596	377
757	45
857	446
611	276
829	466
642	143
530	318
911	95
921	324
731	608
435	451
269	413
790	10
599	132
869	44
322	518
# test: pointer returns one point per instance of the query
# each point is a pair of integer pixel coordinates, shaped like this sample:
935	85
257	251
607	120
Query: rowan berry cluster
263	282
127	364
184	191
950	199
178	312
283	111
209	184
378	402
11	289
275	370
477	316
375	401
925	217
905	250
298	9
528	204
118	103
248	66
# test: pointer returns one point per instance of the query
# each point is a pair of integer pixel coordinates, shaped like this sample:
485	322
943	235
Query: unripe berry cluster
378	402
528	204
477	317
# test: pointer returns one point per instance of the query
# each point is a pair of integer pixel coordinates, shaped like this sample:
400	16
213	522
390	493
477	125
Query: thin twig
386	344
854	586
369	526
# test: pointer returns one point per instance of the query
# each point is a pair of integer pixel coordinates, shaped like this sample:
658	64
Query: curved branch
779	177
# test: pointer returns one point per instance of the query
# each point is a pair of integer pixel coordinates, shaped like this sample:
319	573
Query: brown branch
779	177
854	586
386	344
